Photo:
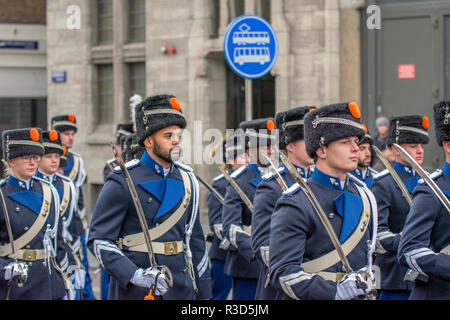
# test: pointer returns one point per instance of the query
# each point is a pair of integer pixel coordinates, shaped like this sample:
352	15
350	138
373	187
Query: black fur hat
258	132
367	137
330	123
156	113
51	141
408	129
291	125
22	142
64	123
233	146
281	133
123	129
442	121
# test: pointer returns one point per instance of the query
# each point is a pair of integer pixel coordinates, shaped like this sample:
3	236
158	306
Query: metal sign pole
248	100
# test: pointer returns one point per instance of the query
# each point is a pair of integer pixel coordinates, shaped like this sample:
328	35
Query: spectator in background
382	129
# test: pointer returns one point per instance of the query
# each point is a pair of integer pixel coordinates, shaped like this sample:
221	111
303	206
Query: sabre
211	189
142	220
436	190
316	205
393	173
276	174
11	240
238	189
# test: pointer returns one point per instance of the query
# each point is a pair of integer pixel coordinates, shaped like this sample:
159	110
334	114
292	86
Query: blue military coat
24	204
297	236
392	211
215	218
424	244
266	196
365	175
115	218
236	220
75	171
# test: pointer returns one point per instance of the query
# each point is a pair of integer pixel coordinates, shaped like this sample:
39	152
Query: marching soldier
411	133
72	225
236	214
234	157
425	242
168	193
67	126
122	130
290	126
33	255
304	262
364	172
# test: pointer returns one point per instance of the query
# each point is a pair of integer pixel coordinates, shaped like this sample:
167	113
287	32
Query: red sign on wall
406	71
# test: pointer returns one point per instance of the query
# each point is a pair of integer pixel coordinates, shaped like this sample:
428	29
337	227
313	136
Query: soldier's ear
322	152
148	142
446	146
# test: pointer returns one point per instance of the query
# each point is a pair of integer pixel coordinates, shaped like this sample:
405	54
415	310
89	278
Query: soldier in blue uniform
425	242
303	263
72	225
241	263
67	126
410	132
290	134
364	172
234	157
169	195
32	206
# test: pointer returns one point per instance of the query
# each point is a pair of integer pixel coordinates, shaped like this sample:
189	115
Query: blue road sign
59	76
250	46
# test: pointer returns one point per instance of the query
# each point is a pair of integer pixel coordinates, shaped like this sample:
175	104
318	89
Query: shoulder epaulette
357	181
180	165
129	165
63	177
436	174
238	172
109	161
291	190
269	176
381	174
42	180
374	172
220	176
75	154
2	182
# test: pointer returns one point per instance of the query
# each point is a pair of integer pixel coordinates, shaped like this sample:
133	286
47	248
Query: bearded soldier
33	257
290	126
67	126
241	263
234	157
425	241
304	262
168	193
411	133
364	172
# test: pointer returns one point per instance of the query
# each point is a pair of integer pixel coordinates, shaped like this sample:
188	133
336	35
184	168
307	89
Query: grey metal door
407	72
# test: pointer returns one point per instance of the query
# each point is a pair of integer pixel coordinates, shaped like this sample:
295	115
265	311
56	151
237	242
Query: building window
136	78
105	85
265	9
104	22
136	20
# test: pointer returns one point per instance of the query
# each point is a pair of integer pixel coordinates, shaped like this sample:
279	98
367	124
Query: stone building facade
318	62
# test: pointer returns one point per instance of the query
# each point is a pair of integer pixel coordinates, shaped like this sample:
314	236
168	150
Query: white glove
78	278
351	287
18	270
146	279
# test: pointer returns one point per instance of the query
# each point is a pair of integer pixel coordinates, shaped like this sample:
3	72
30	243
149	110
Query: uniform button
28	246
331	215
17	209
25	228
149	200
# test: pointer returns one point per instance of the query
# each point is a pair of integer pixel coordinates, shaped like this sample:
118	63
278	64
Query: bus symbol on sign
250	46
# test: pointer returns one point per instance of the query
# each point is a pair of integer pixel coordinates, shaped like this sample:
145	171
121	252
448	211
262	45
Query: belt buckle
29	255
170	248
339	276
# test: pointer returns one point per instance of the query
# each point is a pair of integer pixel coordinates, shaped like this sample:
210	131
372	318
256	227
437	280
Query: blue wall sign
250	46
59	76
19	44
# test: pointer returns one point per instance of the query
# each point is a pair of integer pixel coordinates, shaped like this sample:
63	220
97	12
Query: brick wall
23	11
